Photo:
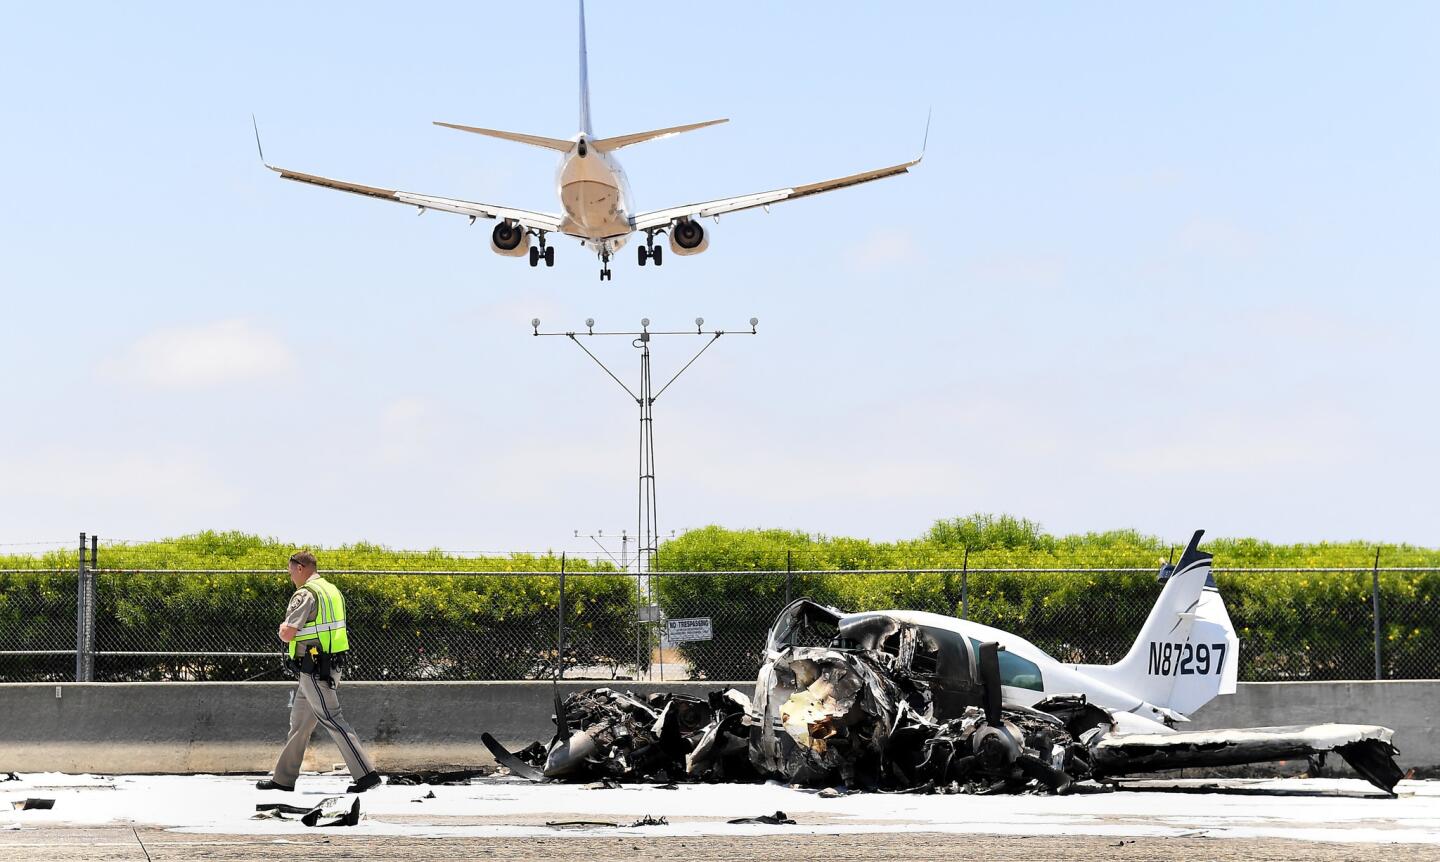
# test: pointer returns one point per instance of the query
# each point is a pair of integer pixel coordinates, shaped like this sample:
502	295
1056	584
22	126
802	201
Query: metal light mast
647	522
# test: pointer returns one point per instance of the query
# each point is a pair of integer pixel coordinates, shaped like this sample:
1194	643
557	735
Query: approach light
753	322
699	322
644	322
535	324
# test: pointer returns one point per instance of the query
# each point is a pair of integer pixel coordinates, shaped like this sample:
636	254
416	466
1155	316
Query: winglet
926	141
258	148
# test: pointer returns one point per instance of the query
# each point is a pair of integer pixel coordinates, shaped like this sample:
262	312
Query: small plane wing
542	221
660	218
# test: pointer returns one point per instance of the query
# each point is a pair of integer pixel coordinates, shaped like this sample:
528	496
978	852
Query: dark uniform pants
318	703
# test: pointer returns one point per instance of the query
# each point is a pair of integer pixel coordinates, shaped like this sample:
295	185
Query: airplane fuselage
1051	677
595	197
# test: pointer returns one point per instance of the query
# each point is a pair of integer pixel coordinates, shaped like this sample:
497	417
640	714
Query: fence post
80	614
965	585
85	613
560	627
91	638
1375	609
787	579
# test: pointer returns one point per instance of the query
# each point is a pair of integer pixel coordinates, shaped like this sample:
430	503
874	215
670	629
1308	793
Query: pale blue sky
1161	268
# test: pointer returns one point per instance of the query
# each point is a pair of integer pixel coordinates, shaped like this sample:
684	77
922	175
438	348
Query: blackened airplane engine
688	237
509	239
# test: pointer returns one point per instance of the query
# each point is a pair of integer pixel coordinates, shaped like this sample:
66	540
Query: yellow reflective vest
328	625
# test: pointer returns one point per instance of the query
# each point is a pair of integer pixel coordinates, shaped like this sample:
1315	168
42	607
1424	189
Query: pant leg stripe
359	758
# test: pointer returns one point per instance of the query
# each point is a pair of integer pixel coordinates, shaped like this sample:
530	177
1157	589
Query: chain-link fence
1293	624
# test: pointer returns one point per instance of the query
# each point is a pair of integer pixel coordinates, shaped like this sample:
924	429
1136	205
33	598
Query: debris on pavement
611	736
647	820
331	807
348	818
272	809
779	818
33	804
1366	748
437	778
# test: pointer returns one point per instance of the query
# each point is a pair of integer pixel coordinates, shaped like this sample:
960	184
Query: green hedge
479	623
1292	625
488	625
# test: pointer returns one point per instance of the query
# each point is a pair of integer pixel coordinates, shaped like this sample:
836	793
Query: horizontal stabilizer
563	146
615	143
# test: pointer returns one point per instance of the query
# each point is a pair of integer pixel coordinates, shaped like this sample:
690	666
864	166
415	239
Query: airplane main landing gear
542	252
650	251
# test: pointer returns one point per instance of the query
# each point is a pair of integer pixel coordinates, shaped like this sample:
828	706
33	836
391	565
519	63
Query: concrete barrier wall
239	727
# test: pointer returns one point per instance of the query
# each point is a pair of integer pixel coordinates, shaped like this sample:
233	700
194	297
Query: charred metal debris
872	702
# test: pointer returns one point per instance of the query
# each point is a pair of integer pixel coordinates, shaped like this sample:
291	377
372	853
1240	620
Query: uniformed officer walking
314	628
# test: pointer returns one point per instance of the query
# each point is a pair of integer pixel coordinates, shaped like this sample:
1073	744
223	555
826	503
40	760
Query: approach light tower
647	532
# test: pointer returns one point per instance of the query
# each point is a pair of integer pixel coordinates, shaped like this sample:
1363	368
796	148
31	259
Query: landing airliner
594	195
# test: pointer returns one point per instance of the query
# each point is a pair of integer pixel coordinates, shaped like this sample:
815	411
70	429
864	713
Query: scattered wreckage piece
310	816
647	820
511	761
608	735
33	804
436	777
1366	748
779	818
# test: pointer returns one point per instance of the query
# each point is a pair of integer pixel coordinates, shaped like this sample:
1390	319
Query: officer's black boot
364	783
271	784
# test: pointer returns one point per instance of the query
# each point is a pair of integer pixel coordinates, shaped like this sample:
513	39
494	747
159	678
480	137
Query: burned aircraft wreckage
909	701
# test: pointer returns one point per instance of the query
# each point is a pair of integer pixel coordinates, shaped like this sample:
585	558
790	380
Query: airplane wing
660	218
541	221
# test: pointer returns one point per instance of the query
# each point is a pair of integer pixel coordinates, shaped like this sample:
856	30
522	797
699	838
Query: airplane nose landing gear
605	265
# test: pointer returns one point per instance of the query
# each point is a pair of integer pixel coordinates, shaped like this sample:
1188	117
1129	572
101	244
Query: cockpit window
804	623
1015	671
926	660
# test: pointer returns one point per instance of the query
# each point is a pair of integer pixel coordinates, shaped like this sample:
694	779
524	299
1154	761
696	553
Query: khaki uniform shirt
301	609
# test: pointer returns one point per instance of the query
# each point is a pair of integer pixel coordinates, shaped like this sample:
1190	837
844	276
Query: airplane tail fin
560	144
584	79
615	143
1187	652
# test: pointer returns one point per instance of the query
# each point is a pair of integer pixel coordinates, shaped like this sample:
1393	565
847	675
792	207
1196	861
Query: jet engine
688	237
510	239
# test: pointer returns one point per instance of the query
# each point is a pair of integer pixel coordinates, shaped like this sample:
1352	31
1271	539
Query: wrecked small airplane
921	702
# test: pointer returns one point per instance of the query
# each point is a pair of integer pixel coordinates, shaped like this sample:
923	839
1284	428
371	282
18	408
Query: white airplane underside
594	195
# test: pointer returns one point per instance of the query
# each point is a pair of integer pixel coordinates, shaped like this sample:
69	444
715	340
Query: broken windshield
804	623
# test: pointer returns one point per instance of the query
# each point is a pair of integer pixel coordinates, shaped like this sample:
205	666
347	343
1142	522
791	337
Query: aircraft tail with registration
1187	652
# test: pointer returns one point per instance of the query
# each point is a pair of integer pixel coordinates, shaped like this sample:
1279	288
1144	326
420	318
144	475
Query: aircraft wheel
550	255
534	256
640	254
655	253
